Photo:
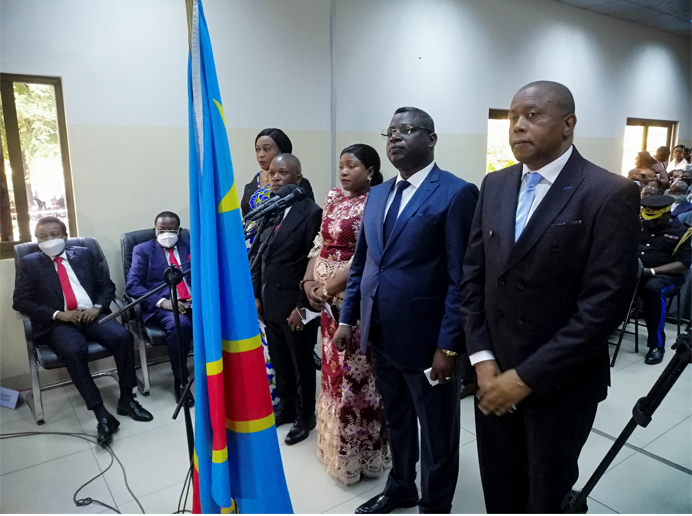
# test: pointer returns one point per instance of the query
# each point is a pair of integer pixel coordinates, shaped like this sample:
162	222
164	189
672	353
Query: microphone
286	190
281	203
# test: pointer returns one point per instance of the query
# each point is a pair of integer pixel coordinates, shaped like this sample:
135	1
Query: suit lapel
552	204
77	267
419	197
507	198
50	274
296	214
378	200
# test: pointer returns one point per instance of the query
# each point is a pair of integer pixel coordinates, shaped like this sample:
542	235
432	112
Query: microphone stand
575	501
266	233
172	277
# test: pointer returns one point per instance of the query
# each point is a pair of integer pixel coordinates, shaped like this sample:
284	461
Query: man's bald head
284	170
556	93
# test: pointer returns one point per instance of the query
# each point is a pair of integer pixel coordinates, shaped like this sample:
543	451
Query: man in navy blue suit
149	261
404	288
63	291
678	191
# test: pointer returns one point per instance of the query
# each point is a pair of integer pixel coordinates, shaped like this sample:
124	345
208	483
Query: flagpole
188	8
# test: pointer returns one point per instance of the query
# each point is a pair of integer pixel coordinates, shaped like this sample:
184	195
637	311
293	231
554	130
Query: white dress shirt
168	261
683	165
416	180
549	173
83	300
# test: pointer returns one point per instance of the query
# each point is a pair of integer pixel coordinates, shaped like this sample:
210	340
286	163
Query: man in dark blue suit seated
149	261
404	289
63	291
678	191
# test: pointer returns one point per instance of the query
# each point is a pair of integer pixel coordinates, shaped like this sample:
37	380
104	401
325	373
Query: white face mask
167	240
52	247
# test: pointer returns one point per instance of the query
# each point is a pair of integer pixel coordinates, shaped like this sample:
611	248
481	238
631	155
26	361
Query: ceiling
672	16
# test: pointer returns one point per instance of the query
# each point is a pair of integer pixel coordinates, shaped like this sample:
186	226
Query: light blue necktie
525	202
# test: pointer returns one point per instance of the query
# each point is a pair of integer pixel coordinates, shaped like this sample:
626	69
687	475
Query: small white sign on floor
8	398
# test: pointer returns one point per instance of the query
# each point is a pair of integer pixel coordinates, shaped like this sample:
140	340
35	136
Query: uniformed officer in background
665	252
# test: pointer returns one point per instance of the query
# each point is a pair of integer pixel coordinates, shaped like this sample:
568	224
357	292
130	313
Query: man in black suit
278	294
549	273
63	291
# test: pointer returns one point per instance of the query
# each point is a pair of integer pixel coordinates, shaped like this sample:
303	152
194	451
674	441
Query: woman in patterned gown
351	434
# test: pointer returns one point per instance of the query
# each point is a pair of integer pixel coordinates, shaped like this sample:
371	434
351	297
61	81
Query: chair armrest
124	316
28	334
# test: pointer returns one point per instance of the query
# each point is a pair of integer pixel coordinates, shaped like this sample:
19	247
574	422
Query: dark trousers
408	398
69	342
654	293
294	367
528	459
165	319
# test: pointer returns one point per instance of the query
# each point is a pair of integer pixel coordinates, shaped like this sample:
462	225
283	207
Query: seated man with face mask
63	291
665	253
149	261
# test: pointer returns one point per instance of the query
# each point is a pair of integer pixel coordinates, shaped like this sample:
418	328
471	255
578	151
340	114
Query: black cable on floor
185	491
89	438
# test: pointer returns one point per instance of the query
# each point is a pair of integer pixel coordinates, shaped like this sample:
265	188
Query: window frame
14	149
671	125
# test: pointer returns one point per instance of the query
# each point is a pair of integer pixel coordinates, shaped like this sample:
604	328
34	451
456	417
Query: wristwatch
99	307
449	353
325	293
653	272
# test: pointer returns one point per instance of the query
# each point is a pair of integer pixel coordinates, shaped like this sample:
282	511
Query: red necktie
183	292
70	298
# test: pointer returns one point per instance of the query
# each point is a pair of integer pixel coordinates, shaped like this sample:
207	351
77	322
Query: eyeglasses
402	130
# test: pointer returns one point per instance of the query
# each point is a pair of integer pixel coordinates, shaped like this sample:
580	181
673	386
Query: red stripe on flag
196	505
249	399
216	411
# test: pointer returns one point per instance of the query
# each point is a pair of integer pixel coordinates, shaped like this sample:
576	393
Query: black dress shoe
282	415
134	410
655	356
300	430
106	427
383	504
189	399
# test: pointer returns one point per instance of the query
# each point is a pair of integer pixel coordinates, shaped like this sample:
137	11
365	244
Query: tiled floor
658	480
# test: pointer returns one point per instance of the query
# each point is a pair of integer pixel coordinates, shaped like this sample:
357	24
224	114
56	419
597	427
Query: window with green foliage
35	179
499	152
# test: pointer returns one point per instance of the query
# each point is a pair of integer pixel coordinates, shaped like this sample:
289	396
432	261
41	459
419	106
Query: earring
369	178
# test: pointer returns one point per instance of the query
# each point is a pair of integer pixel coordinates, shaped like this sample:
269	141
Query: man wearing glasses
404	289
149	261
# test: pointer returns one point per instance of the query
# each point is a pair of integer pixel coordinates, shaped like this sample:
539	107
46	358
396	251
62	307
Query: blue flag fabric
237	466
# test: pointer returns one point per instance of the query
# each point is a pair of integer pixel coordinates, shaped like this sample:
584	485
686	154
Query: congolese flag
237	462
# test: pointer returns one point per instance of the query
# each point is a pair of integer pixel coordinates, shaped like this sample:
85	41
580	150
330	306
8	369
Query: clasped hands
499	392
79	316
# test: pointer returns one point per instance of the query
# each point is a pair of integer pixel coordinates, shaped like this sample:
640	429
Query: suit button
490	233
648	245
519	322
642	253
381	269
553	248
520	286
498	315
501	281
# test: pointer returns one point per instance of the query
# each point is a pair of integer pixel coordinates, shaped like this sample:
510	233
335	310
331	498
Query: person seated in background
662	155
679	191
665	253
645	161
678	160
63	291
149	261
650	190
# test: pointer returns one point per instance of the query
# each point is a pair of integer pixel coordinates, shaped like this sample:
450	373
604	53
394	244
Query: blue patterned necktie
525	202
393	213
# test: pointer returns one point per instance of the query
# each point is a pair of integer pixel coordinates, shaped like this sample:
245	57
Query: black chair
148	334
40	355
632	317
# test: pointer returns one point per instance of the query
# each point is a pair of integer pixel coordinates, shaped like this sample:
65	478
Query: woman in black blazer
269	143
